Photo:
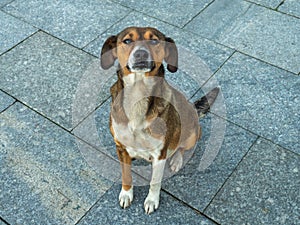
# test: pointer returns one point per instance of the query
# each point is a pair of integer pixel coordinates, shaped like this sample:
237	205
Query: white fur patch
139	144
134	136
126	197
131	59
152	201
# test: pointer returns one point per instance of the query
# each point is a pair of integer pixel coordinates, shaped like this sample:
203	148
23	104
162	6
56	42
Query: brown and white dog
149	119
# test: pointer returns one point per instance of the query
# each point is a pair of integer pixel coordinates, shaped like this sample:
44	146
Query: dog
149	118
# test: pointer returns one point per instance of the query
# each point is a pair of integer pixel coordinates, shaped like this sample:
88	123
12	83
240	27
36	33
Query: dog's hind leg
176	161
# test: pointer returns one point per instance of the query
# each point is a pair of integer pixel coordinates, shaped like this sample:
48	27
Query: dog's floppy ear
108	52
171	57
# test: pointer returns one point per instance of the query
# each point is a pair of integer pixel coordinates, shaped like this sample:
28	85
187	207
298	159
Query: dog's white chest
138	143
134	134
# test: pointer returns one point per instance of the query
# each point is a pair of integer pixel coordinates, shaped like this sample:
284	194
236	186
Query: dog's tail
203	104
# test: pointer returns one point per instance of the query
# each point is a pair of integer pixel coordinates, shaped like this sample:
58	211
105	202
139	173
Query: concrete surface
57	158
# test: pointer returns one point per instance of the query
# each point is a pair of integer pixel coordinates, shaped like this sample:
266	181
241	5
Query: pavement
57	159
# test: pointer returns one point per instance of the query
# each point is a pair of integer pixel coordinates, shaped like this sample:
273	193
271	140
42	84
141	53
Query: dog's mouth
142	66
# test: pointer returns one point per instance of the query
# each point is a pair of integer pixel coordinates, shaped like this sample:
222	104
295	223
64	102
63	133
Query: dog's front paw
151	203
126	197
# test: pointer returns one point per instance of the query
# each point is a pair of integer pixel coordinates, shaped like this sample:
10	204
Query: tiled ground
57	159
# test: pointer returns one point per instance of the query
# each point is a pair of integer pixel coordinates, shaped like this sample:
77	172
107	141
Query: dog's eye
127	41
153	42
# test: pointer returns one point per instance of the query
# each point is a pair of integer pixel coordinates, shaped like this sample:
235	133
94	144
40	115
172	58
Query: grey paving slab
262	98
44	177
170	211
175	12
47	74
13	31
268	3
2	223
263	190
2	3
76	22
5	101
196	186
257	31
291	7
95	130
217	20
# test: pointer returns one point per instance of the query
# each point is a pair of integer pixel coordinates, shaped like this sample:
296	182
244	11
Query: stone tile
263	190
257	31
76	22
291	7
262	98
44	177
5	101
217	20
223	145
176	12
13	31
198	58
108	211
95	130
53	78
268	3
2	222
2	3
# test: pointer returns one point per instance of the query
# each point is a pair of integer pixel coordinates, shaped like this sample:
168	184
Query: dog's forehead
141	33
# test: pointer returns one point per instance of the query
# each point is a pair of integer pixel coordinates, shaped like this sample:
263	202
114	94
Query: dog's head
140	49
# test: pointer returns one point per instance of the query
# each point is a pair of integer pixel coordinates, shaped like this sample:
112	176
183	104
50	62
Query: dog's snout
140	59
141	55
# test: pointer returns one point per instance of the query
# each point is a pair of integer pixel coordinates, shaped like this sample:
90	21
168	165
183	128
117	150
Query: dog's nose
141	55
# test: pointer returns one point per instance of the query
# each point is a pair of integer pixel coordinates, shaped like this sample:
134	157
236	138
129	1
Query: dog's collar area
135	79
